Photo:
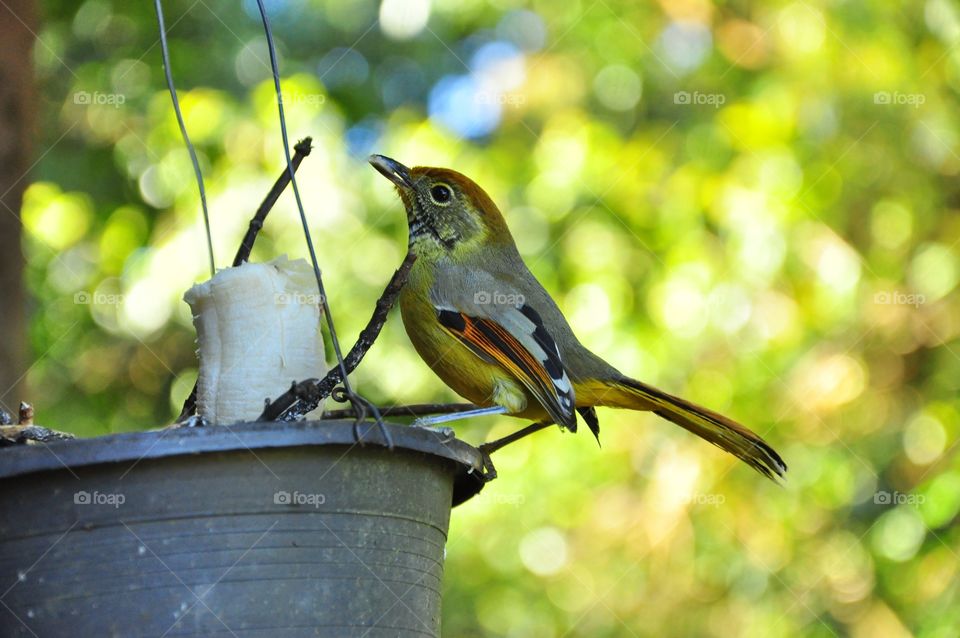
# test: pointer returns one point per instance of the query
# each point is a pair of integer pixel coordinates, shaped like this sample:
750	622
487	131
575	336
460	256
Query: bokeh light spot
544	551
57	219
618	87
934	271
924	439
899	533
403	19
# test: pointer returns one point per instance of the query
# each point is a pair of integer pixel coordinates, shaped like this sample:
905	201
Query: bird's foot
487	469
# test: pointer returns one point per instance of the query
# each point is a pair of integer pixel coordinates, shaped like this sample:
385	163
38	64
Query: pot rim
154	444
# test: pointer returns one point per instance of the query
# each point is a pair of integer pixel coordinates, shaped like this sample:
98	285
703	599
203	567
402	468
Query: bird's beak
392	170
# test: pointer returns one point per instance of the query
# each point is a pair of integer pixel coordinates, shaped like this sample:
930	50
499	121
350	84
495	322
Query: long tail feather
707	424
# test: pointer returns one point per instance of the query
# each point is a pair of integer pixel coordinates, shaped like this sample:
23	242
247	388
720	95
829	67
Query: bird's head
446	211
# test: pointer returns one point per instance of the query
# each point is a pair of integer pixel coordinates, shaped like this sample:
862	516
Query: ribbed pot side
253	530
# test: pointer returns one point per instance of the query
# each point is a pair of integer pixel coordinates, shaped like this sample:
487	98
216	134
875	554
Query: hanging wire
164	50
359	404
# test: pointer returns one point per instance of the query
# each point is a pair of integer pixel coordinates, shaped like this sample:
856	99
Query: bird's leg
493	446
490	472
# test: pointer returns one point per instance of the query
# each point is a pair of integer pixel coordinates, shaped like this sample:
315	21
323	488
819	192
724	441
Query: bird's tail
707	424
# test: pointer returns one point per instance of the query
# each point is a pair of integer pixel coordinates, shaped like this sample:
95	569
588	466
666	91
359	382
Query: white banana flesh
258	330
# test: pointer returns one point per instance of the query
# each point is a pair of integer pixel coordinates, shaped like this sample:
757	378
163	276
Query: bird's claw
487	469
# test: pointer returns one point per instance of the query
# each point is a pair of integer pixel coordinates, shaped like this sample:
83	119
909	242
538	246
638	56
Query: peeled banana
258	330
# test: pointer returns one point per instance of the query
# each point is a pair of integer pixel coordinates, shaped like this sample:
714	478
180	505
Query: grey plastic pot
281	529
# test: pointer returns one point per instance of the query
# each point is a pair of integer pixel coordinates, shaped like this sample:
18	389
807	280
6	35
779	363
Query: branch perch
306	395
301	150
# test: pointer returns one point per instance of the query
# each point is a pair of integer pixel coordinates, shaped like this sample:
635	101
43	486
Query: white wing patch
549	355
515	337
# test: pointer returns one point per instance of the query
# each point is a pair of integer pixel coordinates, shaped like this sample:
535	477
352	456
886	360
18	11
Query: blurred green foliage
752	204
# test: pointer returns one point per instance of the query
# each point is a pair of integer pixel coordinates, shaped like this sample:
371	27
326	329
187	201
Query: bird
481	320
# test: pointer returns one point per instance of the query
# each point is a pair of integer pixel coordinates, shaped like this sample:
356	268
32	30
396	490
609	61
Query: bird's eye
441	194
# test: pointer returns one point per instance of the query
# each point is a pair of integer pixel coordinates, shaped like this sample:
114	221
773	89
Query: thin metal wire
359	404
165	52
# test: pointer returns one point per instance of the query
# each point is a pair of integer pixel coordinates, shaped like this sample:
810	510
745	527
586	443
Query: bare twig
30	435
26	414
304	396
360	405
419	409
25	432
301	150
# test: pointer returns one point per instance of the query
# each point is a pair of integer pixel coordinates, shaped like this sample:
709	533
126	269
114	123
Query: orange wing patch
493	343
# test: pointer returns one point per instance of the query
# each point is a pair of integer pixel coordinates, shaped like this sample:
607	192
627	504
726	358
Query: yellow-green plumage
519	353
461	369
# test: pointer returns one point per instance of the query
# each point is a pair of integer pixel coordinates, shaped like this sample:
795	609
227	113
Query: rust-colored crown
486	209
